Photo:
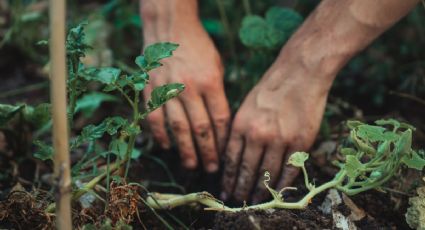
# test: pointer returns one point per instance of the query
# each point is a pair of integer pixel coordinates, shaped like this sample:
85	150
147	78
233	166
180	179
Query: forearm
339	29
166	20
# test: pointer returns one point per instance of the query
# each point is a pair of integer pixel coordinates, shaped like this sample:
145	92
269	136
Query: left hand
281	115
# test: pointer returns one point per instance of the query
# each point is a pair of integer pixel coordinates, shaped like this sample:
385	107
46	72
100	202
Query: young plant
122	131
375	155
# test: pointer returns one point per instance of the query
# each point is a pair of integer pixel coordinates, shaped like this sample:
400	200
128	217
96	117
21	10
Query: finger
289	172
219	111
156	121
247	172
180	128
202	131
231	163
272	163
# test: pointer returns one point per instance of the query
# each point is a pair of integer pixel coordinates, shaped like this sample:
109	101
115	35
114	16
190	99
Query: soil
23	209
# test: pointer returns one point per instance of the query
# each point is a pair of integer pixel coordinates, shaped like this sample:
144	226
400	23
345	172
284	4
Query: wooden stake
59	113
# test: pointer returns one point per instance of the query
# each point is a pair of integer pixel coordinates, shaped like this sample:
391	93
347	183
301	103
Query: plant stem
59	116
307	183
168	201
132	140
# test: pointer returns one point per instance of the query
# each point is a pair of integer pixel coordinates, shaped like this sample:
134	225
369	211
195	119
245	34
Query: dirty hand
199	116
281	115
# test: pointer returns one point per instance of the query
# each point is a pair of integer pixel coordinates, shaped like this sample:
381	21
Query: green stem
169	201
307	183
132	140
89	186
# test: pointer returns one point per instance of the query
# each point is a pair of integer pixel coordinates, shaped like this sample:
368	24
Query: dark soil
273	219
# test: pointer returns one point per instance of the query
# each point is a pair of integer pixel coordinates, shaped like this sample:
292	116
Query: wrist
164	20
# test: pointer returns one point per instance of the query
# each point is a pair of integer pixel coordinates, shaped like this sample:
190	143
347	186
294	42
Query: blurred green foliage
394	62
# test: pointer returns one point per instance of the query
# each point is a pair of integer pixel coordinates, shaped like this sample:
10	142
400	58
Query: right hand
199	117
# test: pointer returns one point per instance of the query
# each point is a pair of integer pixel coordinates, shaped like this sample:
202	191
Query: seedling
375	155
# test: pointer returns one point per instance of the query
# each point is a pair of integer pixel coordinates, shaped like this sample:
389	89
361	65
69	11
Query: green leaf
270	32
404	143
93	132
373	133
119	148
361	145
297	159
354	124
391	122
353	166
413	160
105	75
38	116
113	124
154	53
348	151
284	19
139	81
163	93
256	33
44	152
7	112
90	102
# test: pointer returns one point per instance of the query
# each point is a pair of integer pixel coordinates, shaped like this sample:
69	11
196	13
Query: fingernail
223	196
190	164
212	167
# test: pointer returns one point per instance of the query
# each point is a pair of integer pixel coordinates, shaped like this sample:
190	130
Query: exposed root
22	211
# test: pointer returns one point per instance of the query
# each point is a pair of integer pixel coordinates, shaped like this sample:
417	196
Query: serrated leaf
44	152
163	93
93	132
113	124
105	75
413	160
7	112
90	102
154	53
297	159
353	166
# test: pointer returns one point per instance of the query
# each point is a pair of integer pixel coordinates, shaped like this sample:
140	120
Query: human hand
199	116
281	115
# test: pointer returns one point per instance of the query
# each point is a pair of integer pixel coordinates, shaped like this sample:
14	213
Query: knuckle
202	129
179	126
221	121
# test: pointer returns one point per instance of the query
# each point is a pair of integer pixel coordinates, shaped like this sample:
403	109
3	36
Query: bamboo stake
59	115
